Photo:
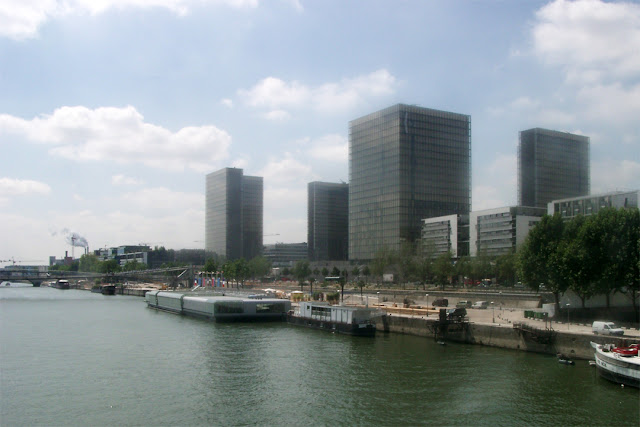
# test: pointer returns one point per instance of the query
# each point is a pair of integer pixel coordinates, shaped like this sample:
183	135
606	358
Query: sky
112	112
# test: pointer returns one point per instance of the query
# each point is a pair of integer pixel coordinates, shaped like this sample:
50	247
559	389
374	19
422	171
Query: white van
606	328
480	304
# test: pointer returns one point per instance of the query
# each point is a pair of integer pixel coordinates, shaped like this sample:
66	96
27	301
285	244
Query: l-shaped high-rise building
234	214
552	165
406	163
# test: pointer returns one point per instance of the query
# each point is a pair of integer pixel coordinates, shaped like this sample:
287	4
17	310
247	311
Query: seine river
74	358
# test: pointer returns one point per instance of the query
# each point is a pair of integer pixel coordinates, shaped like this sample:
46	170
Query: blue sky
113	111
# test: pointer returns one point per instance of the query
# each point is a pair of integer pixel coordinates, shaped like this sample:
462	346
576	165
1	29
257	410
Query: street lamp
568	316
493	312
427	295
378	297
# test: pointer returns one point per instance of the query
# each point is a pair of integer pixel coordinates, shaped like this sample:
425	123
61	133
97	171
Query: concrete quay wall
573	345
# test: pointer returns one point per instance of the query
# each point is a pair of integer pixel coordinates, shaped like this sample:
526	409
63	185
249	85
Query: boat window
228	307
276	307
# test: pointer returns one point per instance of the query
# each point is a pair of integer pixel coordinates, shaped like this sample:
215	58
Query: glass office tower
552	165
406	163
234	214
328	221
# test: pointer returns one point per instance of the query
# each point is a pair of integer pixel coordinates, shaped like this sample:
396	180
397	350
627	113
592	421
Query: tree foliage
592	255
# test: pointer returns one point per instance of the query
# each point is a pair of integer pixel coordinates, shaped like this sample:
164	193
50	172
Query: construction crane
14	261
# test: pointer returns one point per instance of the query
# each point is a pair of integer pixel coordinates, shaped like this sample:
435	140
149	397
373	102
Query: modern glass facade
233	218
328	221
552	165
406	163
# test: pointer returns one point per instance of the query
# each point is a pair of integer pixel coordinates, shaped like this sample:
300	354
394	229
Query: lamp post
378	297
568	315
493	313
427	295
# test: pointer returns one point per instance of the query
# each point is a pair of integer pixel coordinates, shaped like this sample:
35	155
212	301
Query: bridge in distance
173	275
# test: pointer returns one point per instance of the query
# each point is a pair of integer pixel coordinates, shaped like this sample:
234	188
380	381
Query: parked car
464	304
456	314
606	328
480	304
440	302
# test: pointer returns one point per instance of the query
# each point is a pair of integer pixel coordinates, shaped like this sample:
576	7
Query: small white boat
618	364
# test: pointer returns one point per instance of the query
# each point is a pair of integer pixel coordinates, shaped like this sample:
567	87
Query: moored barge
220	308
334	318
61	284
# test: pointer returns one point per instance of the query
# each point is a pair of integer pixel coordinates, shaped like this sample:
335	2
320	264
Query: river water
75	358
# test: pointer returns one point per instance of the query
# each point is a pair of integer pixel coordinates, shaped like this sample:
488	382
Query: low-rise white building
587	205
500	230
447	233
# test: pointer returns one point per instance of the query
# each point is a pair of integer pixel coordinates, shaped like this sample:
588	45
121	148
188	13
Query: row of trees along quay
590	255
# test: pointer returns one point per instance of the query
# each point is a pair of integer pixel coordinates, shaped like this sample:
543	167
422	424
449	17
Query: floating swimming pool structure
220	308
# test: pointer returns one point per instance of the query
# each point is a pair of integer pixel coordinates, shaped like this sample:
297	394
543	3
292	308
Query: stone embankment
504	328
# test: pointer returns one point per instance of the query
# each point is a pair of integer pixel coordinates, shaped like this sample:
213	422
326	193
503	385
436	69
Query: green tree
366	272
241	267
229	271
89	263
383	259
361	285
443	268
407	262
481	266
538	258
211	266
614	236
301	271
356	271
325	272
134	266
259	267
335	272
109	266
463	268
506	269
425	256
577	258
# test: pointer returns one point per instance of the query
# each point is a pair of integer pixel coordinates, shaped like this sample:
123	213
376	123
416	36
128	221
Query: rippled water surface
71	357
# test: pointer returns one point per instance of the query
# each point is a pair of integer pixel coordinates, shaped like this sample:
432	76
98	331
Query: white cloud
122	135
334	148
227	102
286	170
161	201
591	39
612	103
496	185
277	115
20	19
608	175
21	187
124	180
487	197
275	94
